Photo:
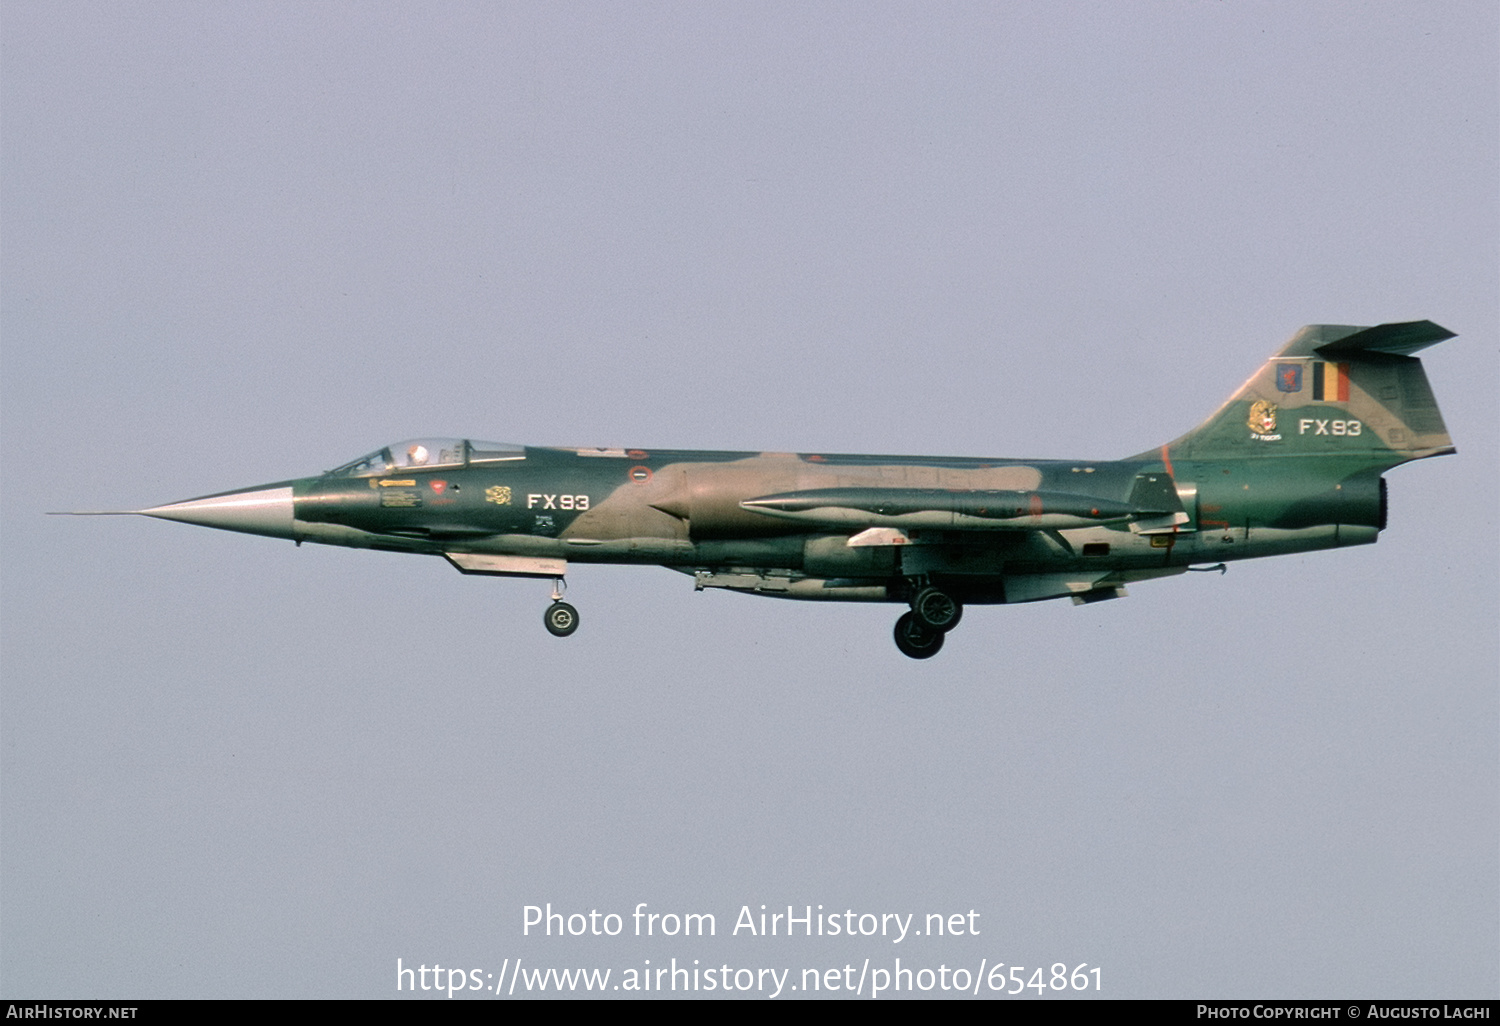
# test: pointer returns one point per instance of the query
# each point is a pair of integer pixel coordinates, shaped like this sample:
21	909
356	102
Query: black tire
916	640
561	619
936	609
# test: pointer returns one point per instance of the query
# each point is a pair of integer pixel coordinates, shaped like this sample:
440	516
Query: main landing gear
920	633
560	619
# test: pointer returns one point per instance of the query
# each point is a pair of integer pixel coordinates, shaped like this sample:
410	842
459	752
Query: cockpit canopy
430	454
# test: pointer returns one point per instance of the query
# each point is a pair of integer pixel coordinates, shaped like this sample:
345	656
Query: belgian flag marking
1330	382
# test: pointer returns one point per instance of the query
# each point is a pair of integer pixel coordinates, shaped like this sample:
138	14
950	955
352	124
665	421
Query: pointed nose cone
266	510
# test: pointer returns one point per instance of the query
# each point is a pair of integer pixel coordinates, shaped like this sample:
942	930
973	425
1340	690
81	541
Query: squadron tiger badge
1262	421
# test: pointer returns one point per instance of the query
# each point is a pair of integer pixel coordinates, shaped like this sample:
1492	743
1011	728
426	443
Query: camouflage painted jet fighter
1291	463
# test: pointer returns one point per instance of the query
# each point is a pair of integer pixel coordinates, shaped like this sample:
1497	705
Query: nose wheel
560	619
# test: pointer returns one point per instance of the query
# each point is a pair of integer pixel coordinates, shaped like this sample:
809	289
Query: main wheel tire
916	640
561	619
936	609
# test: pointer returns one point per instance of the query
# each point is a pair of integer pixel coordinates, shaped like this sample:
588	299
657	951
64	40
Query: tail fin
1332	390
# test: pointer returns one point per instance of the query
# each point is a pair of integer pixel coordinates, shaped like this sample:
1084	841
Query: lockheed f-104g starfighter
1292	462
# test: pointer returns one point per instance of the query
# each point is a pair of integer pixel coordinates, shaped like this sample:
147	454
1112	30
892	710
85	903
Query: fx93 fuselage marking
578	502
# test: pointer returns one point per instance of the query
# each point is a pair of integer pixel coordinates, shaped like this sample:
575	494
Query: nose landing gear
560	619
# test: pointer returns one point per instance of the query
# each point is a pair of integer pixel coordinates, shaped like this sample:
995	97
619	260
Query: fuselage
974	523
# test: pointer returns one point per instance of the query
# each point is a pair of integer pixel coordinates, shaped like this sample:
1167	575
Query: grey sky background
247	242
